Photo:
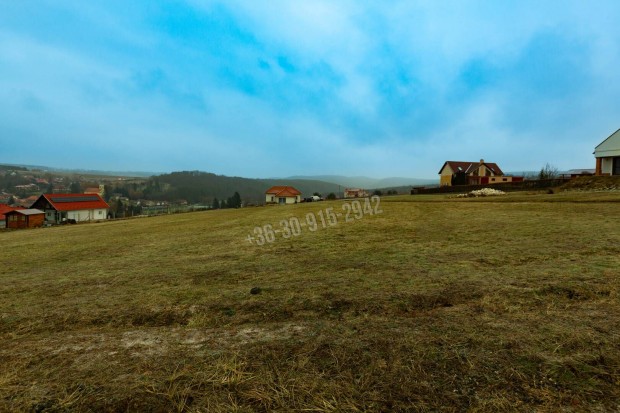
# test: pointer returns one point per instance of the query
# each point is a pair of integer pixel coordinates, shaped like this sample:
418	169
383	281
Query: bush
548	172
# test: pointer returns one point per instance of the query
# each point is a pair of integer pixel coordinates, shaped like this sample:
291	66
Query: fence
504	186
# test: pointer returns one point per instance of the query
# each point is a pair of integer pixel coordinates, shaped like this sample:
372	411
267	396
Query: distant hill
366	182
197	187
139	174
5	167
202	187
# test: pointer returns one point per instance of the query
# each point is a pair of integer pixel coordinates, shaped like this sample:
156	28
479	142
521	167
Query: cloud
282	88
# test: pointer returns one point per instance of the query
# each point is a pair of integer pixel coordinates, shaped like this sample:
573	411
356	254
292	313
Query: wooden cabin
24	218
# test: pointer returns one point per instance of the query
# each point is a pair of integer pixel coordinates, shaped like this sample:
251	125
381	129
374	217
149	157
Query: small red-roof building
472	173
355	193
4	209
60	208
25	218
99	190
282	195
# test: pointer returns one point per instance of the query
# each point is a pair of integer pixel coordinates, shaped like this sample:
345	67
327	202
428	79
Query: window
504	179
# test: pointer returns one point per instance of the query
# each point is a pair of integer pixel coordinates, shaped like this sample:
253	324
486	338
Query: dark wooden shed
25	218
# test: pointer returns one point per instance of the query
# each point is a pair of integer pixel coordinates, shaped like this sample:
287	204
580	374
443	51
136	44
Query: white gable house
607	155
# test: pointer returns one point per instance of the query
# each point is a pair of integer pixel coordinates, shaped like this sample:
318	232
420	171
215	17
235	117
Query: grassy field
435	304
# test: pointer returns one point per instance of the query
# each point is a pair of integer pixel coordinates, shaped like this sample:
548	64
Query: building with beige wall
468	173
607	155
355	193
282	195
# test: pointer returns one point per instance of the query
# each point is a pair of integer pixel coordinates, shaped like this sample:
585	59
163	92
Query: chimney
481	161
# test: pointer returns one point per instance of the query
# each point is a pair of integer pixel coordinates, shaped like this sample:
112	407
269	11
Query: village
38	198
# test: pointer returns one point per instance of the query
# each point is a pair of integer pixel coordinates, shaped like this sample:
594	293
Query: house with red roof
60	208
472	173
95	190
4	209
355	193
282	195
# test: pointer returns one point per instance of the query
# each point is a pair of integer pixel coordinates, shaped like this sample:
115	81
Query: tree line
231	202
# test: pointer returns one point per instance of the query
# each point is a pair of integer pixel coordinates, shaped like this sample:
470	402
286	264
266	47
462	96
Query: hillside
196	186
433	304
593	183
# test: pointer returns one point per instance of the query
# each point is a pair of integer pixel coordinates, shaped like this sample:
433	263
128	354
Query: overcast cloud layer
276	88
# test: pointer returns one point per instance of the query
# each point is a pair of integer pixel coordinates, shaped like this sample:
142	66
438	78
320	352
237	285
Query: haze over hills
341	180
138	174
195	187
366	182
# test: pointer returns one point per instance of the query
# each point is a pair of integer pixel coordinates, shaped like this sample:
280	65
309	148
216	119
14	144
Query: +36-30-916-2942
293	226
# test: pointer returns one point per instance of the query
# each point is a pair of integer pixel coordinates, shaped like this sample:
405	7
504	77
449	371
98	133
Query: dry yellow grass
510	303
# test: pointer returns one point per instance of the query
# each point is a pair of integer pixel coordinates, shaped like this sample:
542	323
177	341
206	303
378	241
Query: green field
435	304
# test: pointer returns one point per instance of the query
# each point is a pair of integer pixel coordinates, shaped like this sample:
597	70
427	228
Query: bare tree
548	172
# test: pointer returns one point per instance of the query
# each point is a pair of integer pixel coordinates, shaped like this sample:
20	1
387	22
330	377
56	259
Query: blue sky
277	88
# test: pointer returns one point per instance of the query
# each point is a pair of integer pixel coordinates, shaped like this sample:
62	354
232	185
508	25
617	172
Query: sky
259	88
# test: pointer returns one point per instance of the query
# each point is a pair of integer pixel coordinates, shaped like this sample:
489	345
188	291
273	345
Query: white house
78	207
607	155
282	195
